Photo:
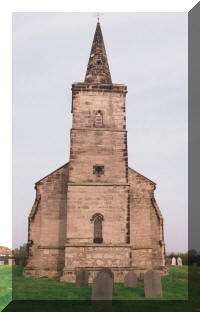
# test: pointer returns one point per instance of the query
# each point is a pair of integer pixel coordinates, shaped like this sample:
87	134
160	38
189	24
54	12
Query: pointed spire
98	68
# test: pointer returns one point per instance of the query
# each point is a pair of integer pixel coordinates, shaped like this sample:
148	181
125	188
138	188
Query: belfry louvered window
99	119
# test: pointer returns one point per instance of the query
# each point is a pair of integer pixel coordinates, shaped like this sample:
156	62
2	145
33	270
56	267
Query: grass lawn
175	287
39	292
5	285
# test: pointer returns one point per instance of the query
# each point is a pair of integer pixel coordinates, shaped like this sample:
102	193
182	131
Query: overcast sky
148	53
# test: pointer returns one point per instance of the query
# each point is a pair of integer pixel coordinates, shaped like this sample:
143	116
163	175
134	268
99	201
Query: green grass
5	285
51	295
175	287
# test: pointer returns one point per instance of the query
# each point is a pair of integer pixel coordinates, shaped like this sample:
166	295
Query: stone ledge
100	129
98	184
66	269
85	86
139	248
96	245
51	247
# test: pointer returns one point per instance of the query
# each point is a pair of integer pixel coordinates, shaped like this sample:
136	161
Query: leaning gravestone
173	261
1	262
102	289
130	280
179	261
82	277
152	284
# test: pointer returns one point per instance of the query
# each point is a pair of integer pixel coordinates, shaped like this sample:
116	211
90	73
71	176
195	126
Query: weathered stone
130	280
82	276
167	261
102	289
152	284
173	261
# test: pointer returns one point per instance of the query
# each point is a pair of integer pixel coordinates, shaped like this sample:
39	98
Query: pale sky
148	53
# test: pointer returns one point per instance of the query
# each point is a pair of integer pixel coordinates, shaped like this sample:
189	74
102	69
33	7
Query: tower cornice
83	86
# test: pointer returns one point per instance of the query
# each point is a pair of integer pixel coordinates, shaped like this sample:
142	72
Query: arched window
97	218
98	119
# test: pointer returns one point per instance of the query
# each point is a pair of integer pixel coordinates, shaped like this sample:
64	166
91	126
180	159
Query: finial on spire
98	68
98	14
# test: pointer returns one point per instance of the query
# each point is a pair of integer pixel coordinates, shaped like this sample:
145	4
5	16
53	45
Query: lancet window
98	237
98	119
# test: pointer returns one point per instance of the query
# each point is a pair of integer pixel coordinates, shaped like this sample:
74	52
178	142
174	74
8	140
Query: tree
21	255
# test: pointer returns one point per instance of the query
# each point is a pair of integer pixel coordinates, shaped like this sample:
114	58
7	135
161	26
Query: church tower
98	190
95	212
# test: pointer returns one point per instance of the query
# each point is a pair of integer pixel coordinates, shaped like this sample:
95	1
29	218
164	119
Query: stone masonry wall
47	225
85	201
97	256
88	99
145	222
102	148
105	145
157	257
141	192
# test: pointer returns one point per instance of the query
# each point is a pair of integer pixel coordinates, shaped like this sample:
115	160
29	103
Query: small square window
98	170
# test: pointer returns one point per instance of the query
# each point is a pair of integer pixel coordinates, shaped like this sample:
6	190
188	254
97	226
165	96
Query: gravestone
109	271
179	261
1	262
167	261
82	276
11	262
102	289
141	276
130	280
152	284
173	261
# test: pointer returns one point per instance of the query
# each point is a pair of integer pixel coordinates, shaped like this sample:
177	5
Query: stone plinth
95	257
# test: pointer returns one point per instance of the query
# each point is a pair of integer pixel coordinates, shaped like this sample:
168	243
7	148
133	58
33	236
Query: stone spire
98	68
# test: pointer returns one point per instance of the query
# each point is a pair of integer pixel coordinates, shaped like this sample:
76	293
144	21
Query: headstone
179	261
152	284
11	262
141	276
82	276
109	271
173	261
167	261
195	264
130	280
1	262
102	289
